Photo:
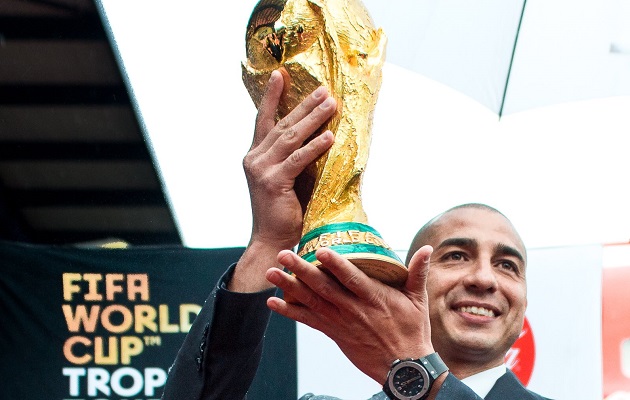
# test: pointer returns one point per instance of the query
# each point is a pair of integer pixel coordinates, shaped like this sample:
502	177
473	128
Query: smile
477	311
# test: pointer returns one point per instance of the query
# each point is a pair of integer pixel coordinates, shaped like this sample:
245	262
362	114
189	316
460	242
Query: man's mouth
477	311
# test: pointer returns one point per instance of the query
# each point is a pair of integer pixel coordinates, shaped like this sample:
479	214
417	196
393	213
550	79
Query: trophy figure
331	43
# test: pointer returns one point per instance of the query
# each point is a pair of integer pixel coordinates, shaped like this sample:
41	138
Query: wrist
412	353
415	379
249	274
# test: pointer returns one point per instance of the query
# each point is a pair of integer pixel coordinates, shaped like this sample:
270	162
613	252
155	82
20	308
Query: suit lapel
508	387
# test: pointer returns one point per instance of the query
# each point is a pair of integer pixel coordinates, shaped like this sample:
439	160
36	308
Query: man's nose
481	277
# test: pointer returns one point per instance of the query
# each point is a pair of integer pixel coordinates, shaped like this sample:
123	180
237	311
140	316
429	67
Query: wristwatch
412	379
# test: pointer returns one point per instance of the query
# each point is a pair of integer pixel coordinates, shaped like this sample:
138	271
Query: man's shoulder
509	385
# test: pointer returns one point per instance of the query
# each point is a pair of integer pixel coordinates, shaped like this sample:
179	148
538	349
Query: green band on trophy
346	238
352	249
338	227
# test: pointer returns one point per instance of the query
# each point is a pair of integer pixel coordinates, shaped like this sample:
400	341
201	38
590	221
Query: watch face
409	380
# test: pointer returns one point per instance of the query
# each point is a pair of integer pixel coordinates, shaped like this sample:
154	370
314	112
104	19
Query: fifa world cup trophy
331	43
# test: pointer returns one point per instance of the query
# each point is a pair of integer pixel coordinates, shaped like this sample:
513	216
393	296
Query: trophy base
360	244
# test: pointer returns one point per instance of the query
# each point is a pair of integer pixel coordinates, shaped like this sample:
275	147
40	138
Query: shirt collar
482	382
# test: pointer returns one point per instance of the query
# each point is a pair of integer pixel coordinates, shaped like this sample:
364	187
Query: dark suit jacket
220	355
507	387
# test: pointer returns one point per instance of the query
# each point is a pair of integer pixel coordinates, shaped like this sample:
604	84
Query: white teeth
477	311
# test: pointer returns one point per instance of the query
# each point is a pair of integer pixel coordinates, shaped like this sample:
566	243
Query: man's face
476	286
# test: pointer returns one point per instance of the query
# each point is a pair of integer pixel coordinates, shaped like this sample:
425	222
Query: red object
522	355
615	327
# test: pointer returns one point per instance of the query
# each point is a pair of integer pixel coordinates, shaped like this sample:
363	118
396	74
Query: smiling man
476	286
465	300
477	293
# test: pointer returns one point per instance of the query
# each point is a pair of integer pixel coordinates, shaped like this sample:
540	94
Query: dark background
34	328
75	162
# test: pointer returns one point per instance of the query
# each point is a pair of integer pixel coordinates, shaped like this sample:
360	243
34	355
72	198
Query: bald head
426	234
478	260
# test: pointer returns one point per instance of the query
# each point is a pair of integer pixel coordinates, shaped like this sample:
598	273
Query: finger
311	112
293	130
266	117
416	283
314	110
319	282
304	156
295	312
348	275
296	290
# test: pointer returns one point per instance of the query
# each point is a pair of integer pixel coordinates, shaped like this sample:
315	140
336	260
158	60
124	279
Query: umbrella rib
509	72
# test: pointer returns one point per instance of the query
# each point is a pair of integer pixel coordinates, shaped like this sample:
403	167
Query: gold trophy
331	43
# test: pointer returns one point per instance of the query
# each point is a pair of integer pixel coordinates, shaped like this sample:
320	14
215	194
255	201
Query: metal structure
75	165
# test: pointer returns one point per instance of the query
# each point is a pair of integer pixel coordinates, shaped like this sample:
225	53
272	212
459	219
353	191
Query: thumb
416	283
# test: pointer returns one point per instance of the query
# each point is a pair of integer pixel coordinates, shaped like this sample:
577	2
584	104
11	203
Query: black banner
107	323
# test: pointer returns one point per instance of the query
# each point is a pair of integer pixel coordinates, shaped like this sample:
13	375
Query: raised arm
276	158
220	355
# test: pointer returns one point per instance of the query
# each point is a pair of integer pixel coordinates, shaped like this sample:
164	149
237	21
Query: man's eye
455	256
509	265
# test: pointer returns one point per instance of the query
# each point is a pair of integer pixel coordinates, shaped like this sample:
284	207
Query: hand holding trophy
330	43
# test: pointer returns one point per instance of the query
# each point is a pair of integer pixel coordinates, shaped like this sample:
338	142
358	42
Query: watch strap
434	365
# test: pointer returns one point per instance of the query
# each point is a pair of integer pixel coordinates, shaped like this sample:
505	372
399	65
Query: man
475	287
